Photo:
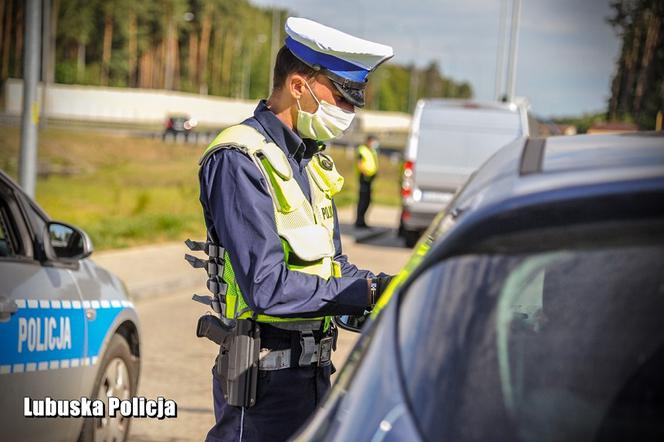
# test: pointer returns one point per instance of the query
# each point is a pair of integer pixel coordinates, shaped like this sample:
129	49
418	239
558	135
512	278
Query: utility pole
46	58
30	116
276	33
500	54
514	46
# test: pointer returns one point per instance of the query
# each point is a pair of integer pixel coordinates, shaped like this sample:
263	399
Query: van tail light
407	179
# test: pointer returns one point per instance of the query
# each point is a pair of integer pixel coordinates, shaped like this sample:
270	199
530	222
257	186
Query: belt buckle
325	351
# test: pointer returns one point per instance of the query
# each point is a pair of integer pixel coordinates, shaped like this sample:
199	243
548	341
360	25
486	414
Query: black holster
237	364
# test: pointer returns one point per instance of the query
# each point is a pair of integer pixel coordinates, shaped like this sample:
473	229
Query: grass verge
127	191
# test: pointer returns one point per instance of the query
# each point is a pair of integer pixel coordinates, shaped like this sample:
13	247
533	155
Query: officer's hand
377	287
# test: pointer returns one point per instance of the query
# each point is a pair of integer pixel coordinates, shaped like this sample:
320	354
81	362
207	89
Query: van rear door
454	141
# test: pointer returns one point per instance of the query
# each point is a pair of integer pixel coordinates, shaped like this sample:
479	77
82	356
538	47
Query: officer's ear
295	85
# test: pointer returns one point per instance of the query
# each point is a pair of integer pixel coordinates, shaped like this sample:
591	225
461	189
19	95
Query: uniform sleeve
237	203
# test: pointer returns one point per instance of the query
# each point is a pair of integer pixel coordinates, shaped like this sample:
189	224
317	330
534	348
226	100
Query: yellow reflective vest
306	229
368	161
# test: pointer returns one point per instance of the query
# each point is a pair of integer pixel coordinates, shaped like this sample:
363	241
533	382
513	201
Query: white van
449	140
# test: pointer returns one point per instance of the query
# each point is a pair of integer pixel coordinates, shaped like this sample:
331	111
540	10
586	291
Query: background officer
367	168
251	178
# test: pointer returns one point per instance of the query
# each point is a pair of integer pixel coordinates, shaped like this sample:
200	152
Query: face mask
329	121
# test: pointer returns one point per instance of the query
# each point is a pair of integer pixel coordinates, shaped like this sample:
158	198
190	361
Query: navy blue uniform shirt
239	215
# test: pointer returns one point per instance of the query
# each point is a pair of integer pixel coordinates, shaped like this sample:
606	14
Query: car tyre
411	237
117	376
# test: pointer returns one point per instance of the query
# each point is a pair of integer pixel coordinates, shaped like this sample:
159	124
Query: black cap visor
354	96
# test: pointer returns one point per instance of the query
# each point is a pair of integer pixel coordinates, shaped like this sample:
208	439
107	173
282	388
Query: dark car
531	309
178	124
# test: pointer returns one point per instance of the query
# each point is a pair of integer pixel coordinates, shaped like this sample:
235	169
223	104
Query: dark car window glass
564	345
10	244
6	244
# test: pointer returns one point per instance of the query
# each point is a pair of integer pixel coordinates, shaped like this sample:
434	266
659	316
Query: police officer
367	167
266	192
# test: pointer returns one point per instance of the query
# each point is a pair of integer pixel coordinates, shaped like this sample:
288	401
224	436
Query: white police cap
345	59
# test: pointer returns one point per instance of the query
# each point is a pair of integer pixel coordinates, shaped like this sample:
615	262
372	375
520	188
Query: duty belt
312	353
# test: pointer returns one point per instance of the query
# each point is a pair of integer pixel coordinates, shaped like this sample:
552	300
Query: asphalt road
176	364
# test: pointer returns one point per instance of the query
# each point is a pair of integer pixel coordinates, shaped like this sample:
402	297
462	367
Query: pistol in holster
237	364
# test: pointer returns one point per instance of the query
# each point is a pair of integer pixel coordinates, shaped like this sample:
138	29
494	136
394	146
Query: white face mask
329	121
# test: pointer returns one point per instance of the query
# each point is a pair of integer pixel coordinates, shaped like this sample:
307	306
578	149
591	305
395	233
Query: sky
566	54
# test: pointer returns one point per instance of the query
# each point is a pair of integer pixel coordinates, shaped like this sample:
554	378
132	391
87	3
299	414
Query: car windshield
561	345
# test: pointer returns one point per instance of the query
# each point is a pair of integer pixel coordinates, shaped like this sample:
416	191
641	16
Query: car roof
609	152
534	185
440	103
529	166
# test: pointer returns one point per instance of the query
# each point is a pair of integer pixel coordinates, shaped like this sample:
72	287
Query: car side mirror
351	323
63	242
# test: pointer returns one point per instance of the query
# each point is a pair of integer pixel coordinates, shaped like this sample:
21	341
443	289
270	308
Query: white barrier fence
149	106
132	106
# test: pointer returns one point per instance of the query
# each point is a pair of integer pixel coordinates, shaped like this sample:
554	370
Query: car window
561	345
435	316
7	244
10	240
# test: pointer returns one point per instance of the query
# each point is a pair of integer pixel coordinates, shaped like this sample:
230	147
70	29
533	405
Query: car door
42	327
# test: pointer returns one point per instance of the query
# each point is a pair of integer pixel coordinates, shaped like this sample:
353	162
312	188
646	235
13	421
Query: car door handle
7	305
7	308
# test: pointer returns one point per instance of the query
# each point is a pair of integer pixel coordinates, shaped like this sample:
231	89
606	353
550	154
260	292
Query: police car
531	310
67	329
